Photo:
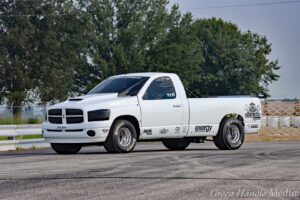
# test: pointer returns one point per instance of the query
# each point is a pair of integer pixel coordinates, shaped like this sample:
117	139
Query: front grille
55	120
55	116
73	112
55	112
74	120
73	116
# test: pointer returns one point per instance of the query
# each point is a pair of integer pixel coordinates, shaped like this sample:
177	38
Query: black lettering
206	128
148	131
164	131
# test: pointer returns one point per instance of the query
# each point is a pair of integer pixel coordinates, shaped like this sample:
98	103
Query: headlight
98	115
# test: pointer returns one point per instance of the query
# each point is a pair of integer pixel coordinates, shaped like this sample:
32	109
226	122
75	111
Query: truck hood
93	98
87	100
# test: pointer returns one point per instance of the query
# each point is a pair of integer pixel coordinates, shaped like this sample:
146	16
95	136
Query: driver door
161	110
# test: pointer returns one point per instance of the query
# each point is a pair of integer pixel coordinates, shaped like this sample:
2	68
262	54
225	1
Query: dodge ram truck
128	108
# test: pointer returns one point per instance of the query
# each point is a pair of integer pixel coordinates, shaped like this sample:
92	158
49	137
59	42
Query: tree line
52	49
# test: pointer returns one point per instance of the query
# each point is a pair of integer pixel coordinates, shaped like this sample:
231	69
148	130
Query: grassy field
3	138
7	121
22	137
18	121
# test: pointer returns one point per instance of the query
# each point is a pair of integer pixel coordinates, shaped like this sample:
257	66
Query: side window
160	88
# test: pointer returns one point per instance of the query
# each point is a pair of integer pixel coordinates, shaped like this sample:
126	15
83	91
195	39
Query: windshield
124	85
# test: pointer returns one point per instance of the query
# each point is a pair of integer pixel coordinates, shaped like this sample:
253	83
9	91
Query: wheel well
233	115
133	120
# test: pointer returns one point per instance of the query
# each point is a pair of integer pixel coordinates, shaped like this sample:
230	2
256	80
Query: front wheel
230	135
176	144
122	137
66	148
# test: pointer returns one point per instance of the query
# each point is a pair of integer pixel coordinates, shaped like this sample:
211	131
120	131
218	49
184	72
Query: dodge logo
61	127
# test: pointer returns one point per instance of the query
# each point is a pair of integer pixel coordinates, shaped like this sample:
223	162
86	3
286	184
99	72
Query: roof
150	74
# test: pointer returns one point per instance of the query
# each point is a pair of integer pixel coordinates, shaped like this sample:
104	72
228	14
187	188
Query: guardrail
13	131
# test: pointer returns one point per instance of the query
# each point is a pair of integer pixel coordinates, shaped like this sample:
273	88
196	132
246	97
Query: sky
280	23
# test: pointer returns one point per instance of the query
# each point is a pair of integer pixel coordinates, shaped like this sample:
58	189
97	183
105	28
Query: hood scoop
75	99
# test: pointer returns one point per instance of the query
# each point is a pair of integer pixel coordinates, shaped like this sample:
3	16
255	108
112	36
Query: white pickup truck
124	109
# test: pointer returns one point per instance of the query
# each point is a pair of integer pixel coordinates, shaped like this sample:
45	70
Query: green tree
179	51
62	39
41	43
15	55
123	34
134	36
55	49
96	18
234	62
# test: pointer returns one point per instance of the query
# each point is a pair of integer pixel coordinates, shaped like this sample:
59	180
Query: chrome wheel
124	136
234	134
231	134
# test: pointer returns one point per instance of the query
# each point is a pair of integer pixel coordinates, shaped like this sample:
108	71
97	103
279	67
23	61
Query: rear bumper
75	133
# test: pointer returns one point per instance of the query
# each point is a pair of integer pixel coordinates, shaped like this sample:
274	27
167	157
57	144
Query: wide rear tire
230	135
122	137
66	148
176	144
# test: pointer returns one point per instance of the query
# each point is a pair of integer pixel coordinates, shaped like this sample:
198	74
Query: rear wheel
122	137
176	144
230	135
66	148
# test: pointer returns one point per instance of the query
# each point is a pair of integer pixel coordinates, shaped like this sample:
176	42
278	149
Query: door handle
176	105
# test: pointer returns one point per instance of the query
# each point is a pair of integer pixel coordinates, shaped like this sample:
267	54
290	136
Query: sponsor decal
165	78
135	77
148	131
252	111
171	95
254	126
177	129
164	131
205	128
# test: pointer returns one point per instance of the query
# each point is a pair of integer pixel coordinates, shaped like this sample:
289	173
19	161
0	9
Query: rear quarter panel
207	113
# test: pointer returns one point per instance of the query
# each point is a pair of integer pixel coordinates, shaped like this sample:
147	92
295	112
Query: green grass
3	138
7	121
17	121
25	137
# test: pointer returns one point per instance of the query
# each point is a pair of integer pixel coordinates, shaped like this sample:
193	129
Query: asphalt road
256	171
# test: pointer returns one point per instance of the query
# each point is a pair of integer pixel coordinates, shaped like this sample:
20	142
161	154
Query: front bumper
75	133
